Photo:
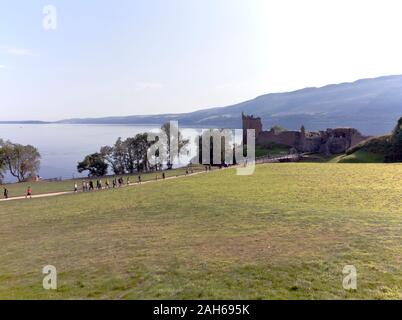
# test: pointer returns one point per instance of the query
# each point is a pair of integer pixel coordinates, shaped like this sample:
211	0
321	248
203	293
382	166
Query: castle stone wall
331	141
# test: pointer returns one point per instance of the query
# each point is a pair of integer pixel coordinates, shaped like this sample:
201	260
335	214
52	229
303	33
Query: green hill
386	148
373	150
360	157
377	145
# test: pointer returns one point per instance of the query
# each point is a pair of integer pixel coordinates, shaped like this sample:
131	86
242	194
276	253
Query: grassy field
285	232
42	187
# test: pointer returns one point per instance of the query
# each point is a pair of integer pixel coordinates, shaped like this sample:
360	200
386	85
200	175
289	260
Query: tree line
131	155
21	161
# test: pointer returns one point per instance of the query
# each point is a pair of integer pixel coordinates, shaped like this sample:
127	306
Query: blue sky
128	57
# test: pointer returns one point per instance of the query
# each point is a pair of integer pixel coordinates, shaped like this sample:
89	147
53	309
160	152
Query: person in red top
29	193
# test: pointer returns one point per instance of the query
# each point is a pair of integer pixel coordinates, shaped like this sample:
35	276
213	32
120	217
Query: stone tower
250	122
303	131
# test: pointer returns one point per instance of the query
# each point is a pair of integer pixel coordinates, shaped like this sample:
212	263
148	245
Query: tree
175	141
130	154
21	161
119	156
136	153
395	154
2	162
94	163
114	156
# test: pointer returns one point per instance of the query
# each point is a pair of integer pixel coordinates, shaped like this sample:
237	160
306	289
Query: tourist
29	193
75	187
5	193
139	179
107	184
163	176
128	181
114	183
100	184
91	185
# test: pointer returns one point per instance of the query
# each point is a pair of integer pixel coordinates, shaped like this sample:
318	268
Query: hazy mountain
371	105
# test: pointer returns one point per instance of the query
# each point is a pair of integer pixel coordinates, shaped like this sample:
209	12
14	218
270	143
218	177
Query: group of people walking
98	185
90	185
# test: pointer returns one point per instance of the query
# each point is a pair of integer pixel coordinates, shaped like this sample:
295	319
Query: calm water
62	146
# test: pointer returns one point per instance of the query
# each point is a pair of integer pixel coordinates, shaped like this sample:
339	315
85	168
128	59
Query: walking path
285	158
54	194
261	160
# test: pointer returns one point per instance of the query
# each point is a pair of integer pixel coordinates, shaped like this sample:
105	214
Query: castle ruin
328	142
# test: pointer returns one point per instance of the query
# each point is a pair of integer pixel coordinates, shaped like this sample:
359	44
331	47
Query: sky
131	57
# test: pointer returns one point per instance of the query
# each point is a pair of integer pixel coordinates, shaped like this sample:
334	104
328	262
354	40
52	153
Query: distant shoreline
157	125
25	122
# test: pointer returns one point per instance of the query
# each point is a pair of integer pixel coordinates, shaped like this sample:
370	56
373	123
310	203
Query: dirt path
55	194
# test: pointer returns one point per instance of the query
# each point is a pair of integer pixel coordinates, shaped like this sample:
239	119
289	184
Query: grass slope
285	232
42	187
360	157
372	150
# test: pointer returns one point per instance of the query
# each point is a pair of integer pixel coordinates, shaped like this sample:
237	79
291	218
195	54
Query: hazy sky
126	57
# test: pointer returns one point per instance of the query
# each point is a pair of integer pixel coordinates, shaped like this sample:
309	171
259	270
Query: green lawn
285	232
273	150
41	187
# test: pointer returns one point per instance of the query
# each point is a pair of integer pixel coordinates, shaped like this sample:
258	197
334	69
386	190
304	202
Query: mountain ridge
371	105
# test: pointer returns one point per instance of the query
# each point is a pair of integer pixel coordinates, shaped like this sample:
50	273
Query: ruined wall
331	141
340	139
287	138
310	144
